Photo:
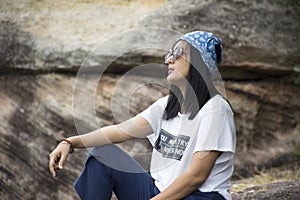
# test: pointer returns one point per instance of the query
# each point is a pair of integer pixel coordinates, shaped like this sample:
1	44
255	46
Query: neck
182	89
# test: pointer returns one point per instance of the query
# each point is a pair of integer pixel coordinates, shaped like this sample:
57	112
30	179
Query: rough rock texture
36	106
45	34
252	31
284	190
36	111
267	121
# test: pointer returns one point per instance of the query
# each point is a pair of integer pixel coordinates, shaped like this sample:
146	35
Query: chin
173	79
170	79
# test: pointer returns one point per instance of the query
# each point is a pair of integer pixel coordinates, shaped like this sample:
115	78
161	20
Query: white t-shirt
175	140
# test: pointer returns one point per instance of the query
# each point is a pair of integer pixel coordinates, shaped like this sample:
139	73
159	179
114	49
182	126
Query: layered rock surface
278	191
43	44
36	112
58	36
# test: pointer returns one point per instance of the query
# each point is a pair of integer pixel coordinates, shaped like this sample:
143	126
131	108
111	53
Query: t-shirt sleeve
154	114
216	129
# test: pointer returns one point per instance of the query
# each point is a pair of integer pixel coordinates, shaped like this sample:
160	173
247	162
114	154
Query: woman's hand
136	127
58	157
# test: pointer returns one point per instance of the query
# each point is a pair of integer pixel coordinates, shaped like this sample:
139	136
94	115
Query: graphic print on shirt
171	146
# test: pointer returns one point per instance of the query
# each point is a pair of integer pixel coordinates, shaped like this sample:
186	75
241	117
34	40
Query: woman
192	131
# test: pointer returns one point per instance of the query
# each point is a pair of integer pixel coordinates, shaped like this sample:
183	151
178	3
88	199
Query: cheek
186	69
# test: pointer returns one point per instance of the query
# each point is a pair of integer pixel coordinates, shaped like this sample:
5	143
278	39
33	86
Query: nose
170	60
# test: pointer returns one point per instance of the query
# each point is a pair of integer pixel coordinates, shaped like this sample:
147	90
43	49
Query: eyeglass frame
174	54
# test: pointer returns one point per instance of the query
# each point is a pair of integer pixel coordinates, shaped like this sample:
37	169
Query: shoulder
162	101
216	104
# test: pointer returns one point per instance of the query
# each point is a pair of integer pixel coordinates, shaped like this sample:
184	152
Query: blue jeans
109	169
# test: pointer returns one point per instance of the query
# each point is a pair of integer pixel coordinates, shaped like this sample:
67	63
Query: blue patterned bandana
205	43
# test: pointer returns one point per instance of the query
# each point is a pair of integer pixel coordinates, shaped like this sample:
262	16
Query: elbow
199	181
122	134
196	180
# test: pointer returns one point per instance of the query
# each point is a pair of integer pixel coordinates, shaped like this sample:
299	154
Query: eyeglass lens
177	52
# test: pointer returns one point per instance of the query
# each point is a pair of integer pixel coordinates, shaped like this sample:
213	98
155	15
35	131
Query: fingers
62	161
57	159
52	164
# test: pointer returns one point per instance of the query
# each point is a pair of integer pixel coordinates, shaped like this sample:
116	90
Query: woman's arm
198	171
136	127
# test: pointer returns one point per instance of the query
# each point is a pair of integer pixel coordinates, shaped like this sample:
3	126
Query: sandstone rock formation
46	35
34	35
284	190
252	31
43	44
36	112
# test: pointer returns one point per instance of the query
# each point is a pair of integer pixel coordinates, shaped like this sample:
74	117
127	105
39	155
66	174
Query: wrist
67	142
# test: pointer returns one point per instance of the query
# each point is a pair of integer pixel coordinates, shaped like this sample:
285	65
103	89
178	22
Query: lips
170	70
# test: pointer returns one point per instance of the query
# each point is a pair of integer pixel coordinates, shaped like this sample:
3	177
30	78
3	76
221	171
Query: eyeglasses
176	53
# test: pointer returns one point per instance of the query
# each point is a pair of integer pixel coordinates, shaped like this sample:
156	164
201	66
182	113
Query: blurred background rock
43	43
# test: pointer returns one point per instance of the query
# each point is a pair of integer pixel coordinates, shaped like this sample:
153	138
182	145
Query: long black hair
199	89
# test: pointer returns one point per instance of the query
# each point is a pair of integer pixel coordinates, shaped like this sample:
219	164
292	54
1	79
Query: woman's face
179	67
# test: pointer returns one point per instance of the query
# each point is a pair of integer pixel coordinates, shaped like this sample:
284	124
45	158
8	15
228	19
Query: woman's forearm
106	135
197	173
180	188
136	127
